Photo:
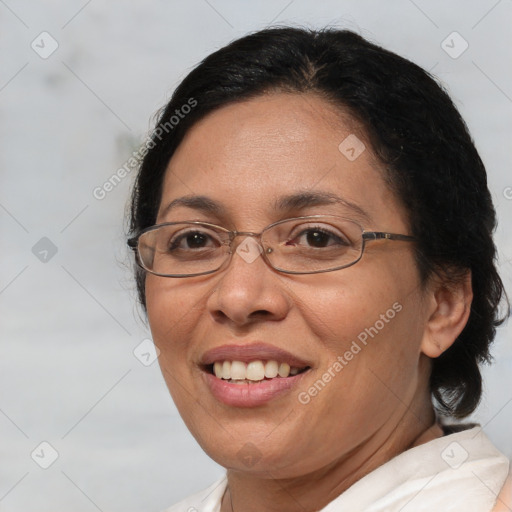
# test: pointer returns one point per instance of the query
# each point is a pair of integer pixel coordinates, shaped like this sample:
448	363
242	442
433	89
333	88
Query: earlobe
449	306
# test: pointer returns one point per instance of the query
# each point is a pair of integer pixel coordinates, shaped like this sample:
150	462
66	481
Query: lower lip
250	395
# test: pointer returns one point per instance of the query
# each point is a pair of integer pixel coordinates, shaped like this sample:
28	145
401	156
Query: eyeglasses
302	245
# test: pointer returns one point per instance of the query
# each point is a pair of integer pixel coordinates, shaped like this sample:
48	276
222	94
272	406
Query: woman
313	230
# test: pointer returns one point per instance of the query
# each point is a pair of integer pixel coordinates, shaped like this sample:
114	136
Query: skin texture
245	156
504	500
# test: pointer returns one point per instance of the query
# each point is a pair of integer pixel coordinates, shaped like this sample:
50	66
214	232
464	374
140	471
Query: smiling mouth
253	372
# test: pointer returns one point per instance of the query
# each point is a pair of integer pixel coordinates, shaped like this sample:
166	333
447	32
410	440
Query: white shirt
460	472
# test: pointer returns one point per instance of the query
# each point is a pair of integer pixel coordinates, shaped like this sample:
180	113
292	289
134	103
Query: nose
248	289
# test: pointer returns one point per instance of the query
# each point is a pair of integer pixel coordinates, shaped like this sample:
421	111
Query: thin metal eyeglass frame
366	236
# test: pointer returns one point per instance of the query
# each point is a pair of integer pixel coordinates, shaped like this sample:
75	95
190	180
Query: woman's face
357	331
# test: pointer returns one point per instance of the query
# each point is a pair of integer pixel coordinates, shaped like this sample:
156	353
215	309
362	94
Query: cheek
370	329
172	313
342	310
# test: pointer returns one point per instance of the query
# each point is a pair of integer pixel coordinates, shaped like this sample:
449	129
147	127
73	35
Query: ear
448	309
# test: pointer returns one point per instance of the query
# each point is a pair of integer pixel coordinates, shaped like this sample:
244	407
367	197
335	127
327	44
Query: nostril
260	312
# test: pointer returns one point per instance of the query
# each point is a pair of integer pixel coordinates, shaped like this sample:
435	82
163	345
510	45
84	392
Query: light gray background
68	374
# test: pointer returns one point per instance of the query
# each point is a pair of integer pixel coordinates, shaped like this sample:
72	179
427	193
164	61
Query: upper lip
251	352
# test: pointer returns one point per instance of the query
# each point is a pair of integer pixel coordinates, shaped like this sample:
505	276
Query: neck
312	492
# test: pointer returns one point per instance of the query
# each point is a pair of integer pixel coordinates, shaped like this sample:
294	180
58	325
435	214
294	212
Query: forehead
248	157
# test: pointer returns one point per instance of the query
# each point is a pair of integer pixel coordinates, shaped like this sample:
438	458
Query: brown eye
190	240
318	237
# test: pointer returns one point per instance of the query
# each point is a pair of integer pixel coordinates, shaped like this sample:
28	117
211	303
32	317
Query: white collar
460	472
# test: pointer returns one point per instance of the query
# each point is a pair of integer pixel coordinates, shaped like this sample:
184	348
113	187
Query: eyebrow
284	204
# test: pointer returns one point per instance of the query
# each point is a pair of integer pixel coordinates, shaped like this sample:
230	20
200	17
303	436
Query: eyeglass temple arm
379	235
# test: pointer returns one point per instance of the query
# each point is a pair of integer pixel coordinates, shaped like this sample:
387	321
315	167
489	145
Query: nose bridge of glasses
242	235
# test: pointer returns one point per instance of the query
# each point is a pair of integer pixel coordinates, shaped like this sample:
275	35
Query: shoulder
461	471
207	500
504	500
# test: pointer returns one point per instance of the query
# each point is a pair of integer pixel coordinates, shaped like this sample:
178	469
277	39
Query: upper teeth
254	370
